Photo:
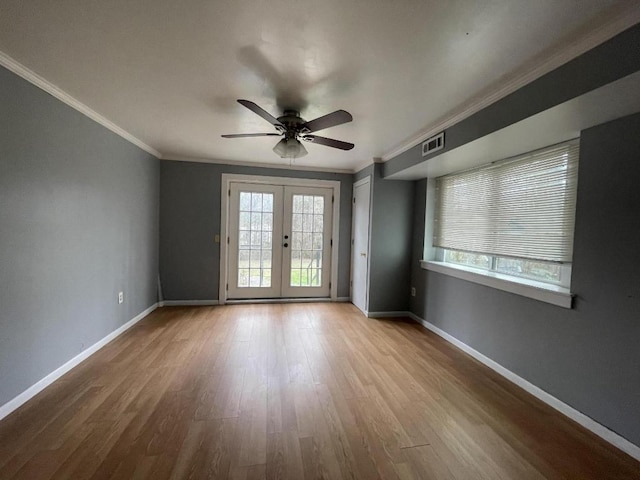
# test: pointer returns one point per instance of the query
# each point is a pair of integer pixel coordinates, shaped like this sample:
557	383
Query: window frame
564	268
556	293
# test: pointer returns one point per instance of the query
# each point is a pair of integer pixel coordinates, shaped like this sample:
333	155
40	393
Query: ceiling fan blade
329	120
245	135
262	112
329	142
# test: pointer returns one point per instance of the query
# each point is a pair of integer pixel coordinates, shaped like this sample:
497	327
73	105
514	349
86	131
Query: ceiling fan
293	128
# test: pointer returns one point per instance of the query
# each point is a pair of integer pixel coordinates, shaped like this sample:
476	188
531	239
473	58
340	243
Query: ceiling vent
433	144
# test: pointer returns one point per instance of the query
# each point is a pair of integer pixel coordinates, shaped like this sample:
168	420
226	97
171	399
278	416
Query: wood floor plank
281	413
206	450
423	463
253	472
292	391
252	421
318	458
85	460
284	459
352	457
220	397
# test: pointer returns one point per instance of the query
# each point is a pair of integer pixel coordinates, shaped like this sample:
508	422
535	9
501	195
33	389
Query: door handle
363	254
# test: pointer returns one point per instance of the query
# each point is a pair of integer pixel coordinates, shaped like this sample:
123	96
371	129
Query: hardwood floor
292	391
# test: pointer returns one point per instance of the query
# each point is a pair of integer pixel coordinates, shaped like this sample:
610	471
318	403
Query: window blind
522	207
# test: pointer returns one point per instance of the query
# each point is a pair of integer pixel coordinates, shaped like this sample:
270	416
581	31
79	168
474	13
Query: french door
279	241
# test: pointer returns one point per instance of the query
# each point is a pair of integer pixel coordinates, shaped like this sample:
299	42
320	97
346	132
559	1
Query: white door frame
362	181
227	178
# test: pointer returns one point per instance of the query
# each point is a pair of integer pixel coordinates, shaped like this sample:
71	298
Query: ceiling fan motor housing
293	128
293	122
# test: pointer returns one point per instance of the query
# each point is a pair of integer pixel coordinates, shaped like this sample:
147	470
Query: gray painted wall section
365	172
390	255
418	275
614	59
78	223
588	357
190	219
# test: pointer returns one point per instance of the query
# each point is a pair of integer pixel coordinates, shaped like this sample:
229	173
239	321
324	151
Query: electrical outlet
413	291
120	297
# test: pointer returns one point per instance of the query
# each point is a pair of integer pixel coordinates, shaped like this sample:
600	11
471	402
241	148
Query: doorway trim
360	182
228	178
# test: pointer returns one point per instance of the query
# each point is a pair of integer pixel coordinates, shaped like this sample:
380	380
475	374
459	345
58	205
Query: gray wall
588	357
417	303
78	223
391	232
190	219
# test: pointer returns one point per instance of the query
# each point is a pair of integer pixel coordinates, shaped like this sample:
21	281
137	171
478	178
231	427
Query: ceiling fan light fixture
292	126
290	148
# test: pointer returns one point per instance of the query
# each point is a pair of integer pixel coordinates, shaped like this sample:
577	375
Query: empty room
337	240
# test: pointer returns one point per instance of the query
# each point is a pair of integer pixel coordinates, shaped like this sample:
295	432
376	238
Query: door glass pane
307	226
267	203
255	252
245	202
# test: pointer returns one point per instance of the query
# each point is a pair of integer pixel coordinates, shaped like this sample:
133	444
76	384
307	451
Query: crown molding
620	21
363	165
367	163
257	164
35	79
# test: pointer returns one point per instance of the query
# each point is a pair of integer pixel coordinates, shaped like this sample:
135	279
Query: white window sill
544	292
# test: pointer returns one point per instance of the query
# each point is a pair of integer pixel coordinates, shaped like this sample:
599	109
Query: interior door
279	241
307	242
360	250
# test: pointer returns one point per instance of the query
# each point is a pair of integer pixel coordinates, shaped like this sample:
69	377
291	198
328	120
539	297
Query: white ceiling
169	72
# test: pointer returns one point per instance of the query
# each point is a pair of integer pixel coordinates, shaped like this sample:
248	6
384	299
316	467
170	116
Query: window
514	217
547	272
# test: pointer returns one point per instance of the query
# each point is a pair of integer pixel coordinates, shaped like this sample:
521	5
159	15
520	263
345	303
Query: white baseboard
386	314
187	303
36	388
241	301
579	417
259	300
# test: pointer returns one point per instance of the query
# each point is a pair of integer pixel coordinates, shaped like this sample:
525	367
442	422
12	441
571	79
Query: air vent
433	144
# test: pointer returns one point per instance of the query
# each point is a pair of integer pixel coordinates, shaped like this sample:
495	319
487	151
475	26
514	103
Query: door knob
285	245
